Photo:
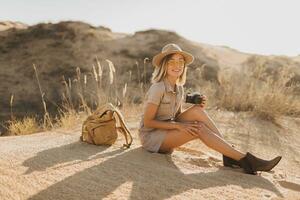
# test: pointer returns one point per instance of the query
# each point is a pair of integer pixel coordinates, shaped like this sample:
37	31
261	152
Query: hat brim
156	61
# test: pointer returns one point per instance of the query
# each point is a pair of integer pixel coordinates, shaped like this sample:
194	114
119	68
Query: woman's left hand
204	98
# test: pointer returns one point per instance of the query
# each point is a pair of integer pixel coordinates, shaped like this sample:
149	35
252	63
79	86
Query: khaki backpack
100	128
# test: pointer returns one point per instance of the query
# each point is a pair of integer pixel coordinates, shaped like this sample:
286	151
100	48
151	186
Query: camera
194	98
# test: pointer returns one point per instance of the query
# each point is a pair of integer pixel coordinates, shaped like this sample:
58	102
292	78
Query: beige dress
169	106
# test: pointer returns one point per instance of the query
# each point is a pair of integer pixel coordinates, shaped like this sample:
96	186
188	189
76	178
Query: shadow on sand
134	165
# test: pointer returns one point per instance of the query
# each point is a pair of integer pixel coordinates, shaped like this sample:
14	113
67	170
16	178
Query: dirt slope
55	165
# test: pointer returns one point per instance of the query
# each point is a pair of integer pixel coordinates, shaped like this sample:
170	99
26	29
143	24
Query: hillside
58	49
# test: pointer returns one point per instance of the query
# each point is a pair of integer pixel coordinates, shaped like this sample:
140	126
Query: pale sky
254	26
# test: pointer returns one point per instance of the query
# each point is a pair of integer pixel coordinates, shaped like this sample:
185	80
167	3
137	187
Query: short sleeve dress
169	107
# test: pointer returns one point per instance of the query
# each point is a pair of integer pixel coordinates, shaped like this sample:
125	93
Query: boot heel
229	162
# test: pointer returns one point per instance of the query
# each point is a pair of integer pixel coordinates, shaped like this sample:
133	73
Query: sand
56	165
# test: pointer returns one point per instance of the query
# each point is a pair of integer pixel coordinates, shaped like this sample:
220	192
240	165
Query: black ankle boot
258	164
229	162
246	165
251	164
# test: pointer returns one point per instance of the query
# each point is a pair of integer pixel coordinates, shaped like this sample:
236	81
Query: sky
269	27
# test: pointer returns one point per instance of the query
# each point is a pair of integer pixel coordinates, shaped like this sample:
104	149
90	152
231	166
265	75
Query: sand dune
56	165
5	25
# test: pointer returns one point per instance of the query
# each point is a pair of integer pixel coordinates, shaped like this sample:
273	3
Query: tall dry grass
257	91
70	112
68	119
249	90
11	107
47	122
140	76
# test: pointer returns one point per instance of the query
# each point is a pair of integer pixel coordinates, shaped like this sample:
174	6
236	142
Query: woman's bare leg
217	143
176	138
199	114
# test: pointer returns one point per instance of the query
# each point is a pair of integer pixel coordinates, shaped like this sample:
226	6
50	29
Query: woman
164	126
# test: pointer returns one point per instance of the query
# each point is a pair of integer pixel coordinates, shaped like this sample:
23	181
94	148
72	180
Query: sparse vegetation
72	112
258	91
47	120
252	89
68	119
25	126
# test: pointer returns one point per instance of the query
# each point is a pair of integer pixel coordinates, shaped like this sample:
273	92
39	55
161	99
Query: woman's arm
150	122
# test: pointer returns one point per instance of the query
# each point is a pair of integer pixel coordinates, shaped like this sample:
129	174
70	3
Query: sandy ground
56	165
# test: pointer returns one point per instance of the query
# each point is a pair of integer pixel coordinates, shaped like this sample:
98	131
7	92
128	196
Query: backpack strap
124	129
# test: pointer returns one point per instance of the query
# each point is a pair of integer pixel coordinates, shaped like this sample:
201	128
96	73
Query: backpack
100	128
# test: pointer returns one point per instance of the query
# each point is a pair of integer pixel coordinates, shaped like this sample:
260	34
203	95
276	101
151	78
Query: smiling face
175	65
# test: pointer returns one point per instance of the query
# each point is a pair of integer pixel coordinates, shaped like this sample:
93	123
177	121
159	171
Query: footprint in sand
201	162
279	176
204	161
290	185
190	151
267	195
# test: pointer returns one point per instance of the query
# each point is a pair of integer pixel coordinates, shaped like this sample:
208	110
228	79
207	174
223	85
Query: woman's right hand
192	128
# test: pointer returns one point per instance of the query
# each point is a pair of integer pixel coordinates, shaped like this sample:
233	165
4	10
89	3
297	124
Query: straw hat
170	49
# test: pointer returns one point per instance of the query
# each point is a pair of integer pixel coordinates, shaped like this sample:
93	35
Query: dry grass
70	119
47	122
267	97
131	111
249	90
24	126
70	113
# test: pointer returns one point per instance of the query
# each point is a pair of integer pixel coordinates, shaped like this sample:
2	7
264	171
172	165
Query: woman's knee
196	108
174	139
197	112
191	114
204	130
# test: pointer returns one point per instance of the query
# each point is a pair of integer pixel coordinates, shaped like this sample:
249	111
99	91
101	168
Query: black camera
194	98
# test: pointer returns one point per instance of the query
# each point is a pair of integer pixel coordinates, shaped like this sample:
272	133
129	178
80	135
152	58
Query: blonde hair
160	72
